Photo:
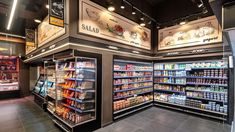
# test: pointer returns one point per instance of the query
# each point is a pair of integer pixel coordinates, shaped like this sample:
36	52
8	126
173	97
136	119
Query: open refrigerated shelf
129	77
204	80
214	112
76	83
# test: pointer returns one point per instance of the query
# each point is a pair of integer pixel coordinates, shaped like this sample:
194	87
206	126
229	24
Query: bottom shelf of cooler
9	86
192	110
131	105
69	120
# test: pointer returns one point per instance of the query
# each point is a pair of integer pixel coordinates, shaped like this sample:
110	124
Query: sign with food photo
97	21
199	32
48	32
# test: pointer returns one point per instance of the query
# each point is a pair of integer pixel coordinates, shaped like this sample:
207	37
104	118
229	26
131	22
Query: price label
135	95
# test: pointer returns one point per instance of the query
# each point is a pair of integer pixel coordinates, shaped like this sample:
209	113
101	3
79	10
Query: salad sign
97	21
199	32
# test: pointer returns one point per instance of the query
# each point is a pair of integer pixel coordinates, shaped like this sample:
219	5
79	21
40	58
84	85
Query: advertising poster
97	21
56	12
200	32
30	41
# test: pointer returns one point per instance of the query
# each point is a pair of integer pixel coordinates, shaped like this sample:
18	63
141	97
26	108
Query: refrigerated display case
9	73
197	87
76	92
132	87
50	90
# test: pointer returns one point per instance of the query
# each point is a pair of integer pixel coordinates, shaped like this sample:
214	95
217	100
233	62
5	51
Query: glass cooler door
76	90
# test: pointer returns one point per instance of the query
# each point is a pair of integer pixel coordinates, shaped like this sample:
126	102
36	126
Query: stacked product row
198	86
133	86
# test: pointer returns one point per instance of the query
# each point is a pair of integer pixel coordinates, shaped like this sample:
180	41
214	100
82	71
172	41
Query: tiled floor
23	115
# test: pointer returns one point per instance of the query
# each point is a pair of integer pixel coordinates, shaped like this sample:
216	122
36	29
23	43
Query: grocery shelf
131	89
71	125
133	82
119	77
48	95
199	68
196	113
170	76
206	77
169	83
205	91
79	100
143	103
207	84
206	99
169	69
133	70
130	112
163	90
131	95
50	111
77	109
80	90
190	77
214	112
80	79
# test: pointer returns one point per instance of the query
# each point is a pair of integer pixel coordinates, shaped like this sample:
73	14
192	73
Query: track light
133	11
183	23
142	24
142	17
122	5
199	5
12	14
111	8
37	21
150	22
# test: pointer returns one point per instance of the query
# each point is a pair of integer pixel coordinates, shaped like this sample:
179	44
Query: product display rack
76	92
132	87
196	87
50	86
9	76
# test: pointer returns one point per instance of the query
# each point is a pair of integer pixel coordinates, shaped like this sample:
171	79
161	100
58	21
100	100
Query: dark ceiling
26	12
165	12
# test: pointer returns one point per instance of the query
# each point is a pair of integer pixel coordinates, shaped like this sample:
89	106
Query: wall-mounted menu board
47	32
96	21
198	32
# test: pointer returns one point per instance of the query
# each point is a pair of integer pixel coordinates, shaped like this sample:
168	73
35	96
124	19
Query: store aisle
162	120
23	115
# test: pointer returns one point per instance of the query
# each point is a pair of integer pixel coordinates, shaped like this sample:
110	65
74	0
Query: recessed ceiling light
47	6
12	14
113	47
158	27
111	8
133	11
37	21
122	5
142	17
142	24
183	22
136	52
